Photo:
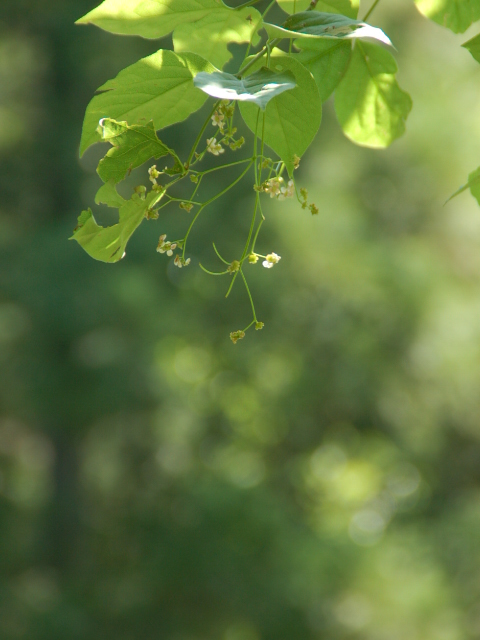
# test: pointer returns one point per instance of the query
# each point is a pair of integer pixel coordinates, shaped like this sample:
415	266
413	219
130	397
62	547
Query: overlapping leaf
210	35
327	61
107	244
370	105
158	88
258	87
316	24
473	46
346	7
132	146
291	119
456	15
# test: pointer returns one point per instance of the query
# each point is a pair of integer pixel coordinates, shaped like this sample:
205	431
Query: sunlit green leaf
456	15
159	88
370	105
346	7
327	61
473	46
132	146
210	35
108	243
153	18
291	119
316	24
259	87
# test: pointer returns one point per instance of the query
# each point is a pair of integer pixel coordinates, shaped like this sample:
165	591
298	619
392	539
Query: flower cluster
166	247
277	189
214	147
181	262
235	336
270	260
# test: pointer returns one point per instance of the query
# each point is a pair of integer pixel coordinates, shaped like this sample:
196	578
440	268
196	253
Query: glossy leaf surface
258	87
326	60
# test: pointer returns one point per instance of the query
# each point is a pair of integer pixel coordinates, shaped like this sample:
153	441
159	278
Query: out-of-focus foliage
319	480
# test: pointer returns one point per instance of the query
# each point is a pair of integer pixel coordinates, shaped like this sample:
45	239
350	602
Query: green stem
251	299
259	55
223	166
202	131
229	186
231	284
370	11
189	229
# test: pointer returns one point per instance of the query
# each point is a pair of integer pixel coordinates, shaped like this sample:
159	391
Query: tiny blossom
313	209
214	147
188	206
273	186
227	108
253	258
259	325
153	173
141	190
287	192
296	161
235	336
234	266
180	262
270	260
217	120
165	247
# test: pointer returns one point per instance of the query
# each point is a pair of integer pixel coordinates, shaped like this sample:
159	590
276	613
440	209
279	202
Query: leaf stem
250	298
370	11
202	131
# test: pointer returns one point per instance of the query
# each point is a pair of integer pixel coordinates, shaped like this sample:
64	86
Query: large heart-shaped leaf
259	87
346	7
132	146
107	244
158	88
327	60
370	105
316	24
210	35
456	15
292	118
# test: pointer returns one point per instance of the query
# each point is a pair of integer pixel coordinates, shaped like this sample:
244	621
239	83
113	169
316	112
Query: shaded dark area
318	480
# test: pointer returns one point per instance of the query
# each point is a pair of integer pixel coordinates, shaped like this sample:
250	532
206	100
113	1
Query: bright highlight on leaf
259	87
291	119
370	105
346	7
315	24
210	36
158	88
456	15
132	146
107	244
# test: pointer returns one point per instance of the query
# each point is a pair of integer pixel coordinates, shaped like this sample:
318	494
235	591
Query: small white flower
287	192
165	247
153	173
273	186
217	120
214	147
270	260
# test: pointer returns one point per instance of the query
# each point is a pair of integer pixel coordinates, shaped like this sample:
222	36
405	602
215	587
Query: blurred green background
318	480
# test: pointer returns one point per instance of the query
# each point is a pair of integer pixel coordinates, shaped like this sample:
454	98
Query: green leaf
473	46
473	184
151	18
259	87
456	15
370	105
210	35
132	146
291	119
326	60
346	7
315	24
159	88
108	243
